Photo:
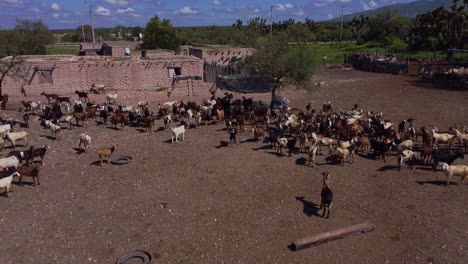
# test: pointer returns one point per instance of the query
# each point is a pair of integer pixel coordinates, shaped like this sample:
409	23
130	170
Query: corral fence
212	71
389	64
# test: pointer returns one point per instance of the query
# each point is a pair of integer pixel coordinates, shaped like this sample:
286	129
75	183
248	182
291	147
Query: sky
65	14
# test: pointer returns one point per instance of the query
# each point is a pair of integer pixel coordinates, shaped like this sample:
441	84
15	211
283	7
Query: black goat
380	149
447	156
82	95
326	195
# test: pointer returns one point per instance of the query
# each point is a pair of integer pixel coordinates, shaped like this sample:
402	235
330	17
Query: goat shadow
436	182
23	183
309	208
115	128
50	137
160	129
332	160
388	167
222	144
79	150
302	161
278	154
263	147
98	163
249	140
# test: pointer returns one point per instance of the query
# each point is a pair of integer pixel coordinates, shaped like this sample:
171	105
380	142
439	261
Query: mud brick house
220	55
65	74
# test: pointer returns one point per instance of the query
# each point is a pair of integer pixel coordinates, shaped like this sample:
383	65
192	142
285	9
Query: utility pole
92	20
271	20
341	24
82	27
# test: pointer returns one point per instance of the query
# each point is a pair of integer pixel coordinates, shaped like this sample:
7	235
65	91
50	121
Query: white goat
111	97
36	106
6	182
178	132
462	138
406	144
85	139
313	149
4	129
55	130
16	136
442	138
405	155
9	162
455	170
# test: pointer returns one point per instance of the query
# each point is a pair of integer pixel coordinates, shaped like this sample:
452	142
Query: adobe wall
69	76
220	56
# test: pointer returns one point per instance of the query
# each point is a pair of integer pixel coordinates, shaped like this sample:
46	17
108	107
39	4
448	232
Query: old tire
122	160
137	254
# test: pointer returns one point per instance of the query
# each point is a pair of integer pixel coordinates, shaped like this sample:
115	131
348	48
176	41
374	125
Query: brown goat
83	117
106	153
29	171
118	118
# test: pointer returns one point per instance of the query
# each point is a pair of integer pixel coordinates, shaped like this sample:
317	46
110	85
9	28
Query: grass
336	52
63	49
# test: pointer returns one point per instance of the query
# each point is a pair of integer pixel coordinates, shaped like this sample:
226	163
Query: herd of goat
344	133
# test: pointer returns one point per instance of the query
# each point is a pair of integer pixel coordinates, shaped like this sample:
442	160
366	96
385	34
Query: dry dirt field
202	202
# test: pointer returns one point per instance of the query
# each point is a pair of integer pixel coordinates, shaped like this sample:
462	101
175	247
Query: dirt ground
202	202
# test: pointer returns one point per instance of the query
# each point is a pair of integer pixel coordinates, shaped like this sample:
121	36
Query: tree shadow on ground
438	84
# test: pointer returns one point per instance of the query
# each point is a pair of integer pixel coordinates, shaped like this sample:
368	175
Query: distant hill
410	10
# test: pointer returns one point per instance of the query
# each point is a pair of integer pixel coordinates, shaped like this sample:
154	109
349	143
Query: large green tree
28	37
281	64
160	34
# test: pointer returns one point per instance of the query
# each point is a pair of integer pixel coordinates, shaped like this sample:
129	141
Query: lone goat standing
106	153
326	195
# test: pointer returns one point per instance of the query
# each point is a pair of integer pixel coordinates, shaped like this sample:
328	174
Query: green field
63	49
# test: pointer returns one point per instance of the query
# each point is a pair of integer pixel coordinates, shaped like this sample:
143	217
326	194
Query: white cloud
118	2
284	7
12	3
186	10
365	7
256	10
126	10
36	10
103	11
373	4
335	1
330	16
320	4
217	2
55	15
55	7
299	12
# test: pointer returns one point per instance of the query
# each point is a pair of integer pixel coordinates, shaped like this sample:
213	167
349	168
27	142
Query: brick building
65	74
220	55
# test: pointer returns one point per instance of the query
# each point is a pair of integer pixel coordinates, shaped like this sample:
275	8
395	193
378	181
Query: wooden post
333	235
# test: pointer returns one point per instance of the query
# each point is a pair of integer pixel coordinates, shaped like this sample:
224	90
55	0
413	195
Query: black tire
143	255
122	160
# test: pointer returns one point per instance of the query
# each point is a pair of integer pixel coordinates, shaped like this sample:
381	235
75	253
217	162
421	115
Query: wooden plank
333	235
